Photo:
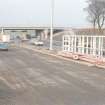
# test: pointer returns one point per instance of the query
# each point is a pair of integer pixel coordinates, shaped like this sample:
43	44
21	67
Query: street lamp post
51	27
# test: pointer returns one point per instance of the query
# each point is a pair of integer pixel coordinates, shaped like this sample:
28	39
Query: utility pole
51	27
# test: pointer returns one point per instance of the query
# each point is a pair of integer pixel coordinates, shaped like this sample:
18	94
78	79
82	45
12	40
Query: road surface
57	45
30	78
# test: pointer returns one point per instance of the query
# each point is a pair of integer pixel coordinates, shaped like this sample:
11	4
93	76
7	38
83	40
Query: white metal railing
84	44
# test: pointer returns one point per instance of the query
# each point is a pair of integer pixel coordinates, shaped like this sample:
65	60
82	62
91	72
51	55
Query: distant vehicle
36	42
25	40
4	42
12	41
4	46
39	43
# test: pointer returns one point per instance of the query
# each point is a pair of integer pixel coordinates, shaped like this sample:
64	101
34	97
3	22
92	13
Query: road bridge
43	32
33	28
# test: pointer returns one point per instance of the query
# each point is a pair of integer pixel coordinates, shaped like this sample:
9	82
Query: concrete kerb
46	52
100	66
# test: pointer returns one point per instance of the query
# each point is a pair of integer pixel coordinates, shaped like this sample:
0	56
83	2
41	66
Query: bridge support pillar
44	34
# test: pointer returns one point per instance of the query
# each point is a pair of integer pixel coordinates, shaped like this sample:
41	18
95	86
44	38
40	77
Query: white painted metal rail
84	44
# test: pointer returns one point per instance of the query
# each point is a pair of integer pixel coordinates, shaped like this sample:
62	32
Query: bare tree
96	13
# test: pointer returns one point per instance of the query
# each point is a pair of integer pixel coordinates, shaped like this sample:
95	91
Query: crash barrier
84	47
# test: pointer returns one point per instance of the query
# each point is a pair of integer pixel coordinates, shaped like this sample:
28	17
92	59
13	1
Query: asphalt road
30	78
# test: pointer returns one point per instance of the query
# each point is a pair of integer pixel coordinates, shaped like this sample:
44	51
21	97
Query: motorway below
31	78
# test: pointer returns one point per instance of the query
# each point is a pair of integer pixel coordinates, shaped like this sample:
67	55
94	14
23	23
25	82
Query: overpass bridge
43	32
33	28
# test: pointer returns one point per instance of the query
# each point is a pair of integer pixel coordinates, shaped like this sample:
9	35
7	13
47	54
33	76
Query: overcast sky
37	13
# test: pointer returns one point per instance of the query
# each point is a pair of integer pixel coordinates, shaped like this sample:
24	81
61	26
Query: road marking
47	81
